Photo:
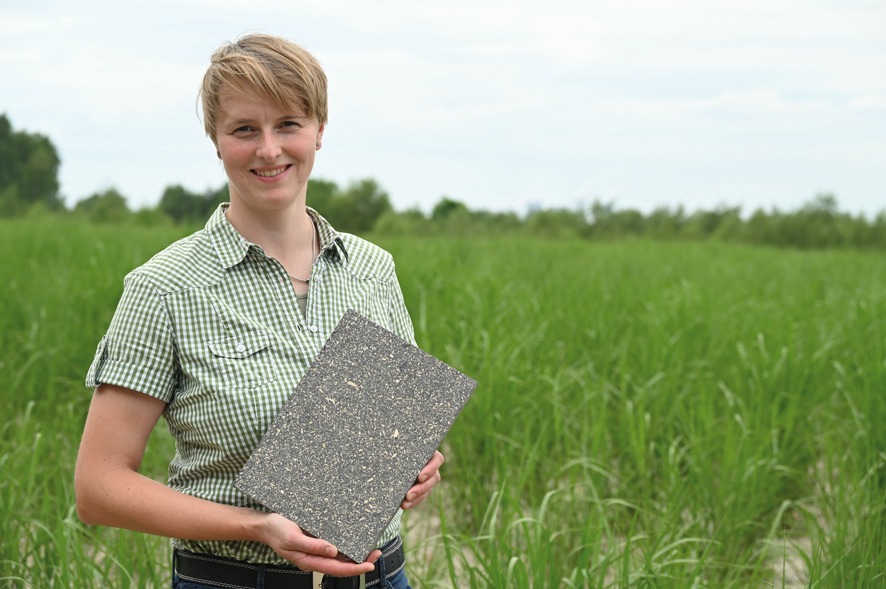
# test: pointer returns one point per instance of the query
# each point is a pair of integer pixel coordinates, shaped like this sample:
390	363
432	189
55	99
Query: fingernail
331	551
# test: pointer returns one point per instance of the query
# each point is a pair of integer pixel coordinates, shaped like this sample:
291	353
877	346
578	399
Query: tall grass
62	281
649	414
666	415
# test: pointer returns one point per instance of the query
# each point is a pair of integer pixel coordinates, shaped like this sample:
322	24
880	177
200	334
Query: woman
215	331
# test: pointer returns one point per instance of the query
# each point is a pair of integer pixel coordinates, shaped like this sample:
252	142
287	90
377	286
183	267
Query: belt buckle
317	581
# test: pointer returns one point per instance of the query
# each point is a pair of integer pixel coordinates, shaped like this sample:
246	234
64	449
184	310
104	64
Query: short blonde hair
270	66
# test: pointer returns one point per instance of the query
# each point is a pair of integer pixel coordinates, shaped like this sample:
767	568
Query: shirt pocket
370	299
245	359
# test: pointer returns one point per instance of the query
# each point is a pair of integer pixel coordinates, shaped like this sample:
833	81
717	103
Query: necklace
313	256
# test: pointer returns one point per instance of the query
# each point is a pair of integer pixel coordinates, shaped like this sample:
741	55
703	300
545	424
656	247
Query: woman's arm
111	492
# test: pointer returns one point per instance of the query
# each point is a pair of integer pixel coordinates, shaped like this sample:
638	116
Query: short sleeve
138	350
401	323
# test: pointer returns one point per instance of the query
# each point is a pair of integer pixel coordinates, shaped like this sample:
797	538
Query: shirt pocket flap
241	345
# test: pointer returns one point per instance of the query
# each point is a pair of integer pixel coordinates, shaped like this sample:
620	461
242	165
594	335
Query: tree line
29	185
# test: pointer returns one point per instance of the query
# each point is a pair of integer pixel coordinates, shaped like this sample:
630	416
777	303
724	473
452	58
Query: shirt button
240	347
313	329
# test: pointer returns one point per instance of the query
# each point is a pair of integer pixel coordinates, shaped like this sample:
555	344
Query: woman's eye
244	130
290	124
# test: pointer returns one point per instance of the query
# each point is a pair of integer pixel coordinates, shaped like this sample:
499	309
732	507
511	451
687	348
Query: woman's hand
111	492
309	553
427	480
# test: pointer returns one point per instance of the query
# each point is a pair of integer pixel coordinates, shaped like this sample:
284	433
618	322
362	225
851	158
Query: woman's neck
281	234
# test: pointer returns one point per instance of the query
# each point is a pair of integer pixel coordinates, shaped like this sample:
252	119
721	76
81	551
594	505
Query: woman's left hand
427	480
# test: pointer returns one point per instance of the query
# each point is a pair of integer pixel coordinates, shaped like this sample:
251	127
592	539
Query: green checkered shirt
211	326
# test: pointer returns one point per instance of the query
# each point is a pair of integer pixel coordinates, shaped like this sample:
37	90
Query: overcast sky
502	105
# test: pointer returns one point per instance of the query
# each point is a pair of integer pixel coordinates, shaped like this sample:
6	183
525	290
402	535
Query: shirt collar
331	243
231	247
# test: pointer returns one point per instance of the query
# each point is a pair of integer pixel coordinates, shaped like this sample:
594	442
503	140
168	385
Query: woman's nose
268	148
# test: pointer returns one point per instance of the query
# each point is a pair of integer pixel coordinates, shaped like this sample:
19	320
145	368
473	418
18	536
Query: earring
218	153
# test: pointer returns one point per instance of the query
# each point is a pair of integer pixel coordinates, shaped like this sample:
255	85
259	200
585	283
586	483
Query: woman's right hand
111	492
309	553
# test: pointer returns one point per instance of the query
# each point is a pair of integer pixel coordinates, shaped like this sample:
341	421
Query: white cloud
514	100
868	102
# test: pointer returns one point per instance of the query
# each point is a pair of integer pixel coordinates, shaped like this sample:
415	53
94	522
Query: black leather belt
236	574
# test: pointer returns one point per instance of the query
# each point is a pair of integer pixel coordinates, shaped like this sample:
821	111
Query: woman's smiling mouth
270	173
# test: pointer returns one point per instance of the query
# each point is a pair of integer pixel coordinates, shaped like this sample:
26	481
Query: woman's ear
319	142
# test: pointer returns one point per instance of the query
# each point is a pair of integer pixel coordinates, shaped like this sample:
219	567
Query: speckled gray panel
364	420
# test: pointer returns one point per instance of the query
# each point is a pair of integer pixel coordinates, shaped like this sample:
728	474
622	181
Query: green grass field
649	414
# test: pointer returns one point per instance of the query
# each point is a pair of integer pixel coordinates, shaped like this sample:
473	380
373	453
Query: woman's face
268	153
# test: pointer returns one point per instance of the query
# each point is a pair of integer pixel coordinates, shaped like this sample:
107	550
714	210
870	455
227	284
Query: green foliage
448	207
649	414
365	207
608	223
663	223
321	194
657	414
186	207
721	223
817	224
408	222
104	207
151	217
354	209
63	278
449	217
29	185
29	166
559	223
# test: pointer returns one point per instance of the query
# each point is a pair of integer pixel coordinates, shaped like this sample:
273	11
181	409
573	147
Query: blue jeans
398	581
